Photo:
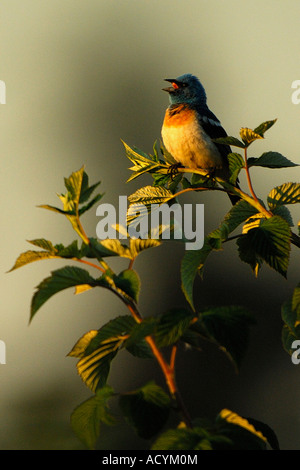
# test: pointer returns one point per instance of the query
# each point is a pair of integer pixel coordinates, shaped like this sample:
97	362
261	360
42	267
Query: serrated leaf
79	349
151	195
192	263
146	409
142	200
129	282
61	279
137	245
169	159
137	171
240	212
228	327
290	314
270	242
197	438
262	128
94	368
113	246
44	244
248	136
253	222
296	301
90	204
283	212
86	190
96	350
240	431
136	343
56	209
287	193
231	141
73	185
172	325
120	327
86	419
271	160
136	155
236	163
29	257
140	331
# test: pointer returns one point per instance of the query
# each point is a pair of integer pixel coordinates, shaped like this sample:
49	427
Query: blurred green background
80	76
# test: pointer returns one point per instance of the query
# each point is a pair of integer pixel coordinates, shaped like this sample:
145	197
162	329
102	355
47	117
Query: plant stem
227	188
167	370
90	264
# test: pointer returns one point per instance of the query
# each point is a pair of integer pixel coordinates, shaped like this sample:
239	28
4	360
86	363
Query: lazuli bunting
189	127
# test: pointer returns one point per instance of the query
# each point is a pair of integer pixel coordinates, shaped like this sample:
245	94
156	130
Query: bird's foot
173	169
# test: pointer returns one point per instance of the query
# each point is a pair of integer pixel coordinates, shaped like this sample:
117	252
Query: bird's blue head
186	89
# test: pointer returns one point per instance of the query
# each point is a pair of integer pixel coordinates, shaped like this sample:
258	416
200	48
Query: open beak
169	89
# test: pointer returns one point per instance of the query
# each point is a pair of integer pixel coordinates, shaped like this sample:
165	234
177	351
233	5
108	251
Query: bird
189	127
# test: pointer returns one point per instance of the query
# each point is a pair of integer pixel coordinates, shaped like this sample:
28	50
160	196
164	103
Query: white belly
189	145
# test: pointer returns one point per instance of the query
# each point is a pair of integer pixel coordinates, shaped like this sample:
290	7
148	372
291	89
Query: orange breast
182	115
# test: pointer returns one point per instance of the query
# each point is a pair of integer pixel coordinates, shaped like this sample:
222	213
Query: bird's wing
213	128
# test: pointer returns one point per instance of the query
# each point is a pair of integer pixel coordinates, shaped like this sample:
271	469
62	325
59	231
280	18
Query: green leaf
140	171
129	282
169	159
143	198
137	156
296	301
146	409
44	244
197	438
73	185
266	431
283	212
51	251
113	247
140	330
29	257
231	141
228	327
236	163
262	128
270	242
151	195
86	419
243	435
172	326
136	344
248	136
137	245
287	193
85	208
78	191
271	160
86	190
118	328
61	279
96	350
192	263
240	212
290	314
